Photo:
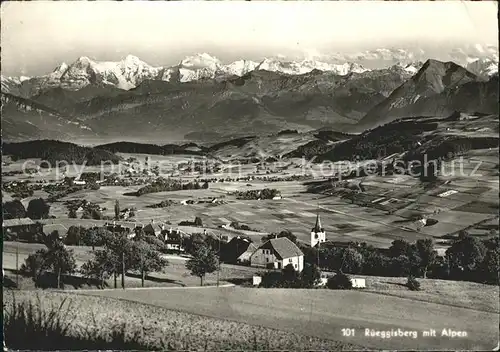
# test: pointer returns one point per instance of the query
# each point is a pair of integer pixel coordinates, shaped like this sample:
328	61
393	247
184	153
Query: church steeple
318	228
318	234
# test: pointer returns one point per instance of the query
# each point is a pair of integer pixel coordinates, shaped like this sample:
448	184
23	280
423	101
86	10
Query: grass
323	313
447	292
50	327
87	322
175	274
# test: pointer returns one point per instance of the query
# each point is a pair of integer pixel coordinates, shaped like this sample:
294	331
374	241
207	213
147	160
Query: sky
37	36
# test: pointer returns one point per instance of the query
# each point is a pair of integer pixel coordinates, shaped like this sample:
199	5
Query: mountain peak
83	59
61	68
202	60
132	58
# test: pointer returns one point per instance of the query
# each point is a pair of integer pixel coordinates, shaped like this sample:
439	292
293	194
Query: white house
277	253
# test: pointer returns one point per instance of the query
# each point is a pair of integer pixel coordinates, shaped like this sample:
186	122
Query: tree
465	255
399	247
102	266
60	260
463	234
427	254
290	276
285	233
96	237
400	266
203	262
375	263
86	214
194	242
73	236
38	209
310	275
146	259
34	264
96	214
52	239
351	262
13	210
489	269
117	210
205	185
121	247
72	214
288	234
272	279
198	222
339	282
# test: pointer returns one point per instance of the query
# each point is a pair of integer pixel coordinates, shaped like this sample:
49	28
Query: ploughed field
324	313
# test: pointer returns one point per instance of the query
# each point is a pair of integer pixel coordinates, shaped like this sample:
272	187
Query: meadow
323	313
174	275
154	327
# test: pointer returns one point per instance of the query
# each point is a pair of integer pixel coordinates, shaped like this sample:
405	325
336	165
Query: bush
340	281
413	284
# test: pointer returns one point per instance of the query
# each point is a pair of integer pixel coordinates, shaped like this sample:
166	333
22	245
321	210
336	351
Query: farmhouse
277	253
116	228
244	258
23	228
173	240
238	250
154	228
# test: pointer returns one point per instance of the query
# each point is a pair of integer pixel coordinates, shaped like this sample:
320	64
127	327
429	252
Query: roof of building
317	227
284	248
248	253
17	222
155	227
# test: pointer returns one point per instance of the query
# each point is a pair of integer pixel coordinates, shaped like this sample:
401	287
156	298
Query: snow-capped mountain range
131	71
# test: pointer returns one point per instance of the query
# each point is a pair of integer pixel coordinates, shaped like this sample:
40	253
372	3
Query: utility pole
17	265
318	254
123	270
218	260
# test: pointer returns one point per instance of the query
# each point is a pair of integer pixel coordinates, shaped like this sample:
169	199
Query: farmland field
376	216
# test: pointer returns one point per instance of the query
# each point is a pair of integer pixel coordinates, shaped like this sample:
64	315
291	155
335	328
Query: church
318	234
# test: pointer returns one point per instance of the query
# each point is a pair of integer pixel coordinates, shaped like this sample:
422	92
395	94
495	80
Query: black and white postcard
250	176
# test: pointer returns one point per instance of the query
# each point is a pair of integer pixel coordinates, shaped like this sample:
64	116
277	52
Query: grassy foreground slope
161	329
323	313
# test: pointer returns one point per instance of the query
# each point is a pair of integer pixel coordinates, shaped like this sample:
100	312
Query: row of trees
120	254
117	256
166	184
55	152
37	209
266	193
468	258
